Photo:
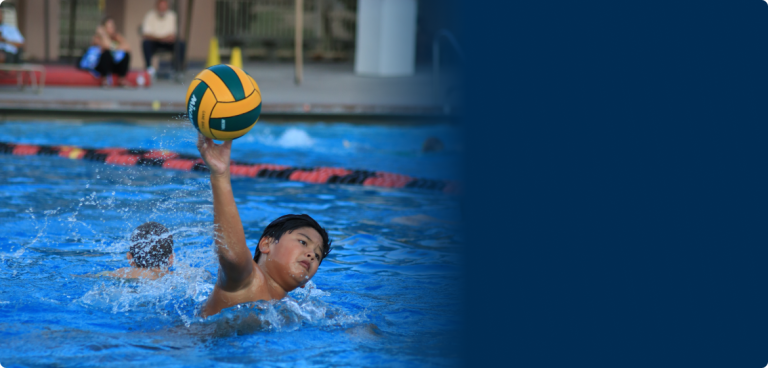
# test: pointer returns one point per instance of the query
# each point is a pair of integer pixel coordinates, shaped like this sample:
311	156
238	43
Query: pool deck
329	91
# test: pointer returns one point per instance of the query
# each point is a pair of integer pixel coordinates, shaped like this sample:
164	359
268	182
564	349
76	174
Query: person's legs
178	56
149	49
105	66
10	57
121	69
13	58
167	46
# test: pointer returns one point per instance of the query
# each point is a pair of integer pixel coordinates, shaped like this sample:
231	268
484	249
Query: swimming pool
386	295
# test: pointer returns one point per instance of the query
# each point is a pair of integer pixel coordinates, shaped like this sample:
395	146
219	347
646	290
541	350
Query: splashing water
384	296
295	138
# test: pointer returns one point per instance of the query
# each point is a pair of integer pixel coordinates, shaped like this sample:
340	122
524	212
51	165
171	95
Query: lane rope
176	161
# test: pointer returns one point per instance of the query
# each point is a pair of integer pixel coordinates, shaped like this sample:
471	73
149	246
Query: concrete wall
31	20
203	28
128	17
115	9
132	14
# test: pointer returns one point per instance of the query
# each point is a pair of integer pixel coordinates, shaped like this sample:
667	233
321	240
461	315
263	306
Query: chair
164	63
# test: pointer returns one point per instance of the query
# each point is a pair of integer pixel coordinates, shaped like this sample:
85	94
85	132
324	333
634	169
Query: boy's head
151	246
288	223
297	244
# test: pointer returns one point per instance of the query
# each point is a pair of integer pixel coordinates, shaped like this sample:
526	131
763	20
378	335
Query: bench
20	69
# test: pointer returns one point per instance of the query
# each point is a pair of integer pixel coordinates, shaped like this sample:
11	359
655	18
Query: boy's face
294	259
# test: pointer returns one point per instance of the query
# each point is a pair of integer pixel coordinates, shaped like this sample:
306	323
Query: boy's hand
216	156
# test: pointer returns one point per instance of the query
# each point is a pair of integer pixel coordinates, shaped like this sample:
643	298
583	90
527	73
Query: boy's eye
302	242
317	256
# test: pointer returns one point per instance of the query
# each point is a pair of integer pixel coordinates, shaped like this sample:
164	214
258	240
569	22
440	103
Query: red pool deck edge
64	75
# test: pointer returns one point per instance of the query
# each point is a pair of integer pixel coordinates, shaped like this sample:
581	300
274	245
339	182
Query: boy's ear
265	244
170	260
130	258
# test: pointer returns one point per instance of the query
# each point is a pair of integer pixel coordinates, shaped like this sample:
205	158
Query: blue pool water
387	295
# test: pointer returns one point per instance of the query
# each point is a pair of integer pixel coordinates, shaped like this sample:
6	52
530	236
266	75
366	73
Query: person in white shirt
11	41
159	33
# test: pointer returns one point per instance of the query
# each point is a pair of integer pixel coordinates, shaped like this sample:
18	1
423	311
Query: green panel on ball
194	103
234	123
230	79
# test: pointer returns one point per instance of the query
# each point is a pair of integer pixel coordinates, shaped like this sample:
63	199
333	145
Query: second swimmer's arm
235	261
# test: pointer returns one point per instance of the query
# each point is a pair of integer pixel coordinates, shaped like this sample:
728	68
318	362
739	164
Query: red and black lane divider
176	161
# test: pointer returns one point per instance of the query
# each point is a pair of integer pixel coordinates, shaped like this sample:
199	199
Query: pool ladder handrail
436	58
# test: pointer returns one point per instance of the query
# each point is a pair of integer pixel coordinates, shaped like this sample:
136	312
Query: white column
386	37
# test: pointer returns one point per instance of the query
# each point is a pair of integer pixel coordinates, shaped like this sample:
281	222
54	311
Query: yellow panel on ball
229	109
192	88
256	86
220	89
223	102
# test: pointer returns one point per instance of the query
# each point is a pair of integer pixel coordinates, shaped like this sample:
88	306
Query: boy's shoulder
134	273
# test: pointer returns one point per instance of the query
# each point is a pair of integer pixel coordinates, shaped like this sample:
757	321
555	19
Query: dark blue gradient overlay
616	183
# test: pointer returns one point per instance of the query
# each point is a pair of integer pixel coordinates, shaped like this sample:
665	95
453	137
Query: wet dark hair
151	245
288	223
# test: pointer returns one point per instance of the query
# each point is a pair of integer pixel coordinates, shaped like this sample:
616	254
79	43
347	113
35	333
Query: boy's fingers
203	141
227	144
200	140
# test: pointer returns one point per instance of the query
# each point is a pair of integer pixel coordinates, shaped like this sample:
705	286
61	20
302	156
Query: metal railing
266	28
262	28
78	20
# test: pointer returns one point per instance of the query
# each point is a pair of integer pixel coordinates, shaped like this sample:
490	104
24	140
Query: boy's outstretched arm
235	261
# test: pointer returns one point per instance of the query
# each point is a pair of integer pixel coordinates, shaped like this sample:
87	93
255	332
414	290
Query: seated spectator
159	33
109	54
11	42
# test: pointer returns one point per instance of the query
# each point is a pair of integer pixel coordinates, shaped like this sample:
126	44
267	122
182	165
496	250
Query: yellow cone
213	53
236	59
